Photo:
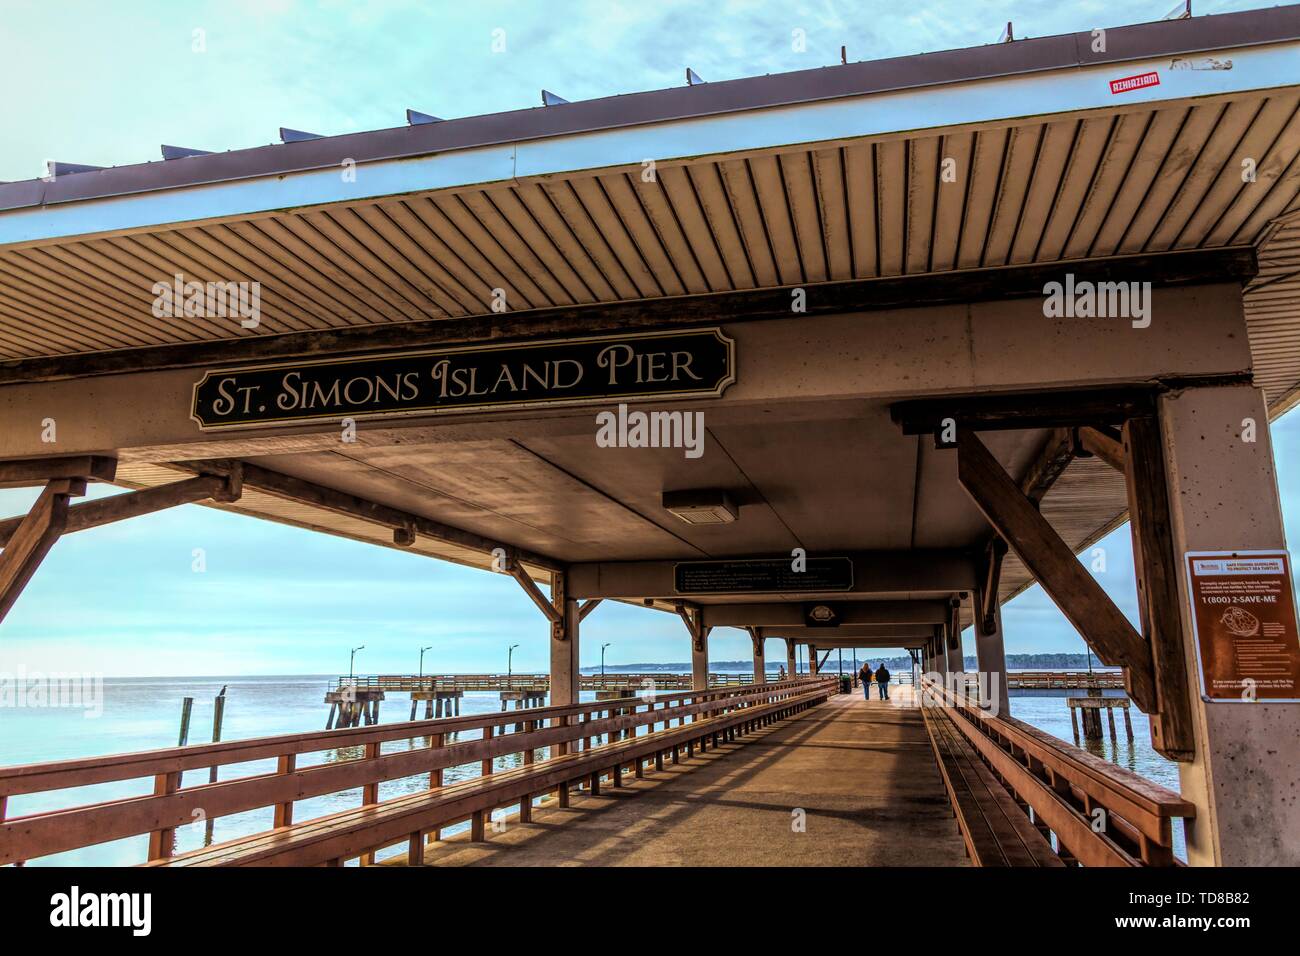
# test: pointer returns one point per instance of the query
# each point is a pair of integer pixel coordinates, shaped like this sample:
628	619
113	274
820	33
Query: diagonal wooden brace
33	538
694	621
1052	563
92	514
586	607
553	614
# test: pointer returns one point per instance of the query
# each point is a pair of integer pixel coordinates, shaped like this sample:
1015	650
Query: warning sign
1243	613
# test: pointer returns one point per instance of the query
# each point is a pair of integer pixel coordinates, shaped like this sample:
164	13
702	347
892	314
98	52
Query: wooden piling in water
187	706
218	715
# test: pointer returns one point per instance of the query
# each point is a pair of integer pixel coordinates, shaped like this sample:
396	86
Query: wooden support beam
755	638
19	473
991	575
1184	267
92	514
553	614
1054	566
1104	443
693	618
340	502
1157	566
1050	463
1054	409
586	607
33	538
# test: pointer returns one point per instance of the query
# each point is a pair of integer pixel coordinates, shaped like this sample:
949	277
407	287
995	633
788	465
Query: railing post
284	811
162	843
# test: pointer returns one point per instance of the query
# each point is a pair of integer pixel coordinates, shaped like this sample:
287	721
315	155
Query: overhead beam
1051	409
340	502
1190	267
92	514
1055	567
33	538
24	472
845	634
920	572
791	613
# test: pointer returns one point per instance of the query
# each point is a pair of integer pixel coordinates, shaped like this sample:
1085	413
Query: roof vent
54	169
707	506
416	118
181	152
550	99
296	135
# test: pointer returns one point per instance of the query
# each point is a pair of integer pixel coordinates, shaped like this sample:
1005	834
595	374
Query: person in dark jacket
864	675
882	679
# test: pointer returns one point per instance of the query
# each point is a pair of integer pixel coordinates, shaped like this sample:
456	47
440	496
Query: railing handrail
37	777
1143	805
170	806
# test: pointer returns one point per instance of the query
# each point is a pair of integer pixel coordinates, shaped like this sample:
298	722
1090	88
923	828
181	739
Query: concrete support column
791	662
991	659
700	661
1223	496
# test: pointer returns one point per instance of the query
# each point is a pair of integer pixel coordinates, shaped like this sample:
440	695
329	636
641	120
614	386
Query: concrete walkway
862	774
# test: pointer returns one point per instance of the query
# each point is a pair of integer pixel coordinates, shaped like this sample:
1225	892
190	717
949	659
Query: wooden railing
401	683
1099	814
1065	680
428	747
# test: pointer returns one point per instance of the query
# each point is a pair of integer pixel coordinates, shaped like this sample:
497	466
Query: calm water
144	714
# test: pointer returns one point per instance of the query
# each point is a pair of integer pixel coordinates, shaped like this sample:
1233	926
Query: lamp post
510	655
422	650
352	659
602	661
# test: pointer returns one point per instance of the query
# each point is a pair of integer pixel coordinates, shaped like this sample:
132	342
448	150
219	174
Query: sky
106	84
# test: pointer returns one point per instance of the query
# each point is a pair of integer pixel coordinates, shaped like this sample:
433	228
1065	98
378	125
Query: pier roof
1124	157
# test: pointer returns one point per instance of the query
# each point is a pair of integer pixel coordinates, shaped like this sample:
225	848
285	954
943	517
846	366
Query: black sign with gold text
762	576
696	363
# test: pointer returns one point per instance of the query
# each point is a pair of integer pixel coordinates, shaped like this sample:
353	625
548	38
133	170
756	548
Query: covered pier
844	358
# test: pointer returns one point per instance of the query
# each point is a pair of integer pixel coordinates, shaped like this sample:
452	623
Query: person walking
882	679
864	675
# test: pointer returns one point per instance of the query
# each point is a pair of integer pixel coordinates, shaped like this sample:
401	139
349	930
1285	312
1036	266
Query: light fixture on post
705	506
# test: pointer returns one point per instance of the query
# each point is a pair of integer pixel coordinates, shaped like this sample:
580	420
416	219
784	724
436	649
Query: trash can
846	684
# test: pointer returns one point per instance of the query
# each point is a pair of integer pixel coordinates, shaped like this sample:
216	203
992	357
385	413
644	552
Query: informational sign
1243	612
763	576
639	366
